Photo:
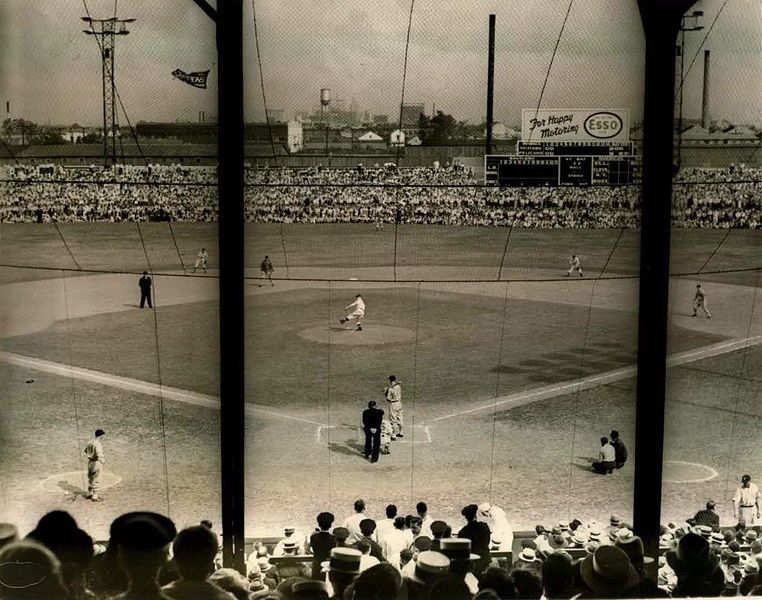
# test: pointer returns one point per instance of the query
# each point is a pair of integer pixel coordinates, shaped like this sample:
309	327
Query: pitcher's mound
348	334
75	483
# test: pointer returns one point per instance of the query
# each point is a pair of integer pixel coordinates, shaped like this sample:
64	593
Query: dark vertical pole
490	84
661	22
230	186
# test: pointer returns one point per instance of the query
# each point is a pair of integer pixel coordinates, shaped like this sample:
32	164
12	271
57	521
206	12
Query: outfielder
393	395
266	269
574	265
94	453
357	309
201	260
699	301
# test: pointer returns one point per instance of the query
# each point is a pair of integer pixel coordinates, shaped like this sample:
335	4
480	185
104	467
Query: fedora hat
692	555
430	564
557	541
751	535
632	546
608	572
343	560
457	549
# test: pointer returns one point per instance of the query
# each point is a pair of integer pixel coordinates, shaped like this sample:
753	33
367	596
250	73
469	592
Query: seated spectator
29	571
498	581
366	560
446	587
289	565
696	568
194	550
406	558
479	534
289	536
558	576
309	590
632	546
462	560
141	539
285	588
233	582
58	531
607	573
438	529
367	528
708	516
321	543
270	575
395	542
386	525
341	534
380	582
428	566
528	585
343	567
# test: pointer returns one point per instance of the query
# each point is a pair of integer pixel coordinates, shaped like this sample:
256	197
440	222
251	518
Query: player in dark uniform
371	422
145	290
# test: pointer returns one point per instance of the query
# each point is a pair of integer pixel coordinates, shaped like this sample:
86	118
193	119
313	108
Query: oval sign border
604	137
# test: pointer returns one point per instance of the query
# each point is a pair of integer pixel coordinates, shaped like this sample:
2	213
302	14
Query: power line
262	84
404	76
552	58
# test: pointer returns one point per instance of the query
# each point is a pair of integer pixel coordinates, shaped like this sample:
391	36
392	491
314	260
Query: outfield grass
476	252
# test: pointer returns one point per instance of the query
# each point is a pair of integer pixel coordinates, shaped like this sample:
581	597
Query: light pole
106	30
687	23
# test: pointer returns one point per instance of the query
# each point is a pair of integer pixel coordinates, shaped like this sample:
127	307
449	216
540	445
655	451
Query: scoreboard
606	168
587	148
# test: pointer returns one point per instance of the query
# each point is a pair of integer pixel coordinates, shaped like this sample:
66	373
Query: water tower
325	100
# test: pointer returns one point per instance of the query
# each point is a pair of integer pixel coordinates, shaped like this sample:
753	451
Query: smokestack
705	99
490	83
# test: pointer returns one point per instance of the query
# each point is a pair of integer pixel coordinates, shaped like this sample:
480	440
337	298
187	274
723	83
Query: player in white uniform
574	265
357	309
201	260
699	301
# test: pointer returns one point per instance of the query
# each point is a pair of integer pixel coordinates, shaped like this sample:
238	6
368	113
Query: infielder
94	453
574	265
393	395
699	301
201	260
266	269
357	309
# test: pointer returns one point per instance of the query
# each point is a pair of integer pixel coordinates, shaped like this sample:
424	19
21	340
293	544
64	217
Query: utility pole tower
105	31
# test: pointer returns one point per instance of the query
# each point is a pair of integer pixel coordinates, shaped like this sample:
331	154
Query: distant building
370	137
411	114
381	119
397	138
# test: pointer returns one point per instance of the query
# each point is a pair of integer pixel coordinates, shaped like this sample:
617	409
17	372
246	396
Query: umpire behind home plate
371	423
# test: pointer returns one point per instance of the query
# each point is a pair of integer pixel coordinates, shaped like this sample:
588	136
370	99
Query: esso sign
603	125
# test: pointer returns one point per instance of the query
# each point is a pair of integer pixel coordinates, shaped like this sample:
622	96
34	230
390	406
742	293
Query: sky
50	70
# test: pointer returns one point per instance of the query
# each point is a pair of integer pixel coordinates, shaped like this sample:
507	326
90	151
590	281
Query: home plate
74	483
353	279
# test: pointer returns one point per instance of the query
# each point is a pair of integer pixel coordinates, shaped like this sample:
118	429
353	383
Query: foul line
134	385
592	381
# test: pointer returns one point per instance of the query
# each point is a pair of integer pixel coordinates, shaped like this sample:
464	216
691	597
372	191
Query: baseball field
510	371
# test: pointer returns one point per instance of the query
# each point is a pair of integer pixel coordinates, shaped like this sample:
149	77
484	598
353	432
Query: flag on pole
196	79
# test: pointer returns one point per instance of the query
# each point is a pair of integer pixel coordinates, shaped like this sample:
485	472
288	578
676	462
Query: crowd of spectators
390	558
446	195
